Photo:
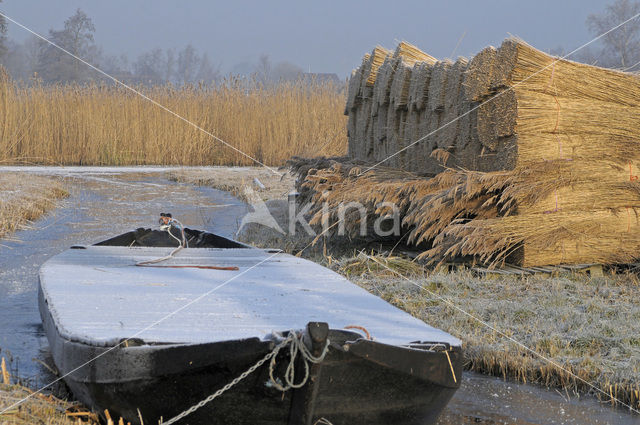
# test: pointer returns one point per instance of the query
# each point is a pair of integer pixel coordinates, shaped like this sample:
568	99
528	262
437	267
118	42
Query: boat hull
359	381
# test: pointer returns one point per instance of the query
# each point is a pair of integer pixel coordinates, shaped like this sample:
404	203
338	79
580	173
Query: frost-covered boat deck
98	296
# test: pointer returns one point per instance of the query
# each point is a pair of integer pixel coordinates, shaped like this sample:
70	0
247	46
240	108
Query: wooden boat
152	341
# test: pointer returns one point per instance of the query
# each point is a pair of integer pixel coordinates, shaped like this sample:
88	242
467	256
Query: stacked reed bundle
402	110
378	110
541	109
470	214
552	108
541	157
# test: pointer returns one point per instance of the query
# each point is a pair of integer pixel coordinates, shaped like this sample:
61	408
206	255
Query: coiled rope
167	223
296	346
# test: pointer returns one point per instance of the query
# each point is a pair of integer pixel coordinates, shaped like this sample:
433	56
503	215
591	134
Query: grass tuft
25	199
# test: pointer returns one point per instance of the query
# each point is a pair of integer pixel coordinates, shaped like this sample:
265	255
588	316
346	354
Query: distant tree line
617	49
35	60
3	36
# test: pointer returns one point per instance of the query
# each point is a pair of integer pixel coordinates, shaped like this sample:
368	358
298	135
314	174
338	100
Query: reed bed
581	323
24	200
107	125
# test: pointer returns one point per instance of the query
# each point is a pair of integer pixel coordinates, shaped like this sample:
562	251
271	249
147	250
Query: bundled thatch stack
537	157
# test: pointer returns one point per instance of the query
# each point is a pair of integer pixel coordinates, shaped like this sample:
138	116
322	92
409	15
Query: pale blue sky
326	35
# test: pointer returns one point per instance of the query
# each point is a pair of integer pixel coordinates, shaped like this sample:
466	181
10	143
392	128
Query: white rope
296	345
182	243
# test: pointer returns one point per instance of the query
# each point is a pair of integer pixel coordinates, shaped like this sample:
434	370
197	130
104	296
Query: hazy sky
326	35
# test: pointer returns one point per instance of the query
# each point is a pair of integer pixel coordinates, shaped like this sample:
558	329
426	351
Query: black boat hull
359	381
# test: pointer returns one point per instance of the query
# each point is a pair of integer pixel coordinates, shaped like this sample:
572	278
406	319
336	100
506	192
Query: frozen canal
102	203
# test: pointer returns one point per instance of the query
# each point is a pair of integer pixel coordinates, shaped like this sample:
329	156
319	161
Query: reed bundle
550	213
419	86
399	95
382	85
411	54
354	94
570	237
454	105
549	104
378	55
532	159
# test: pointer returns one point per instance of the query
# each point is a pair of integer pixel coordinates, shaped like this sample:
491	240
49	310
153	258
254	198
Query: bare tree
3	37
77	38
31	48
170	65
621	47
150	68
116	66
263	68
207	73
188	63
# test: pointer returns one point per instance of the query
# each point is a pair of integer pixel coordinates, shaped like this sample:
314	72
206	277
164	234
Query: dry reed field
25	199
107	125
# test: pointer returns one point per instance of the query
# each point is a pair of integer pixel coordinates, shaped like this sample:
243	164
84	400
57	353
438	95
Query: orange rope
555	128
451	366
556	209
553	70
362	328
233	268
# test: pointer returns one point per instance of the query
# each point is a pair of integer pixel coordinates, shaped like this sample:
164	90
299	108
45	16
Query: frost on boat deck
98	296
